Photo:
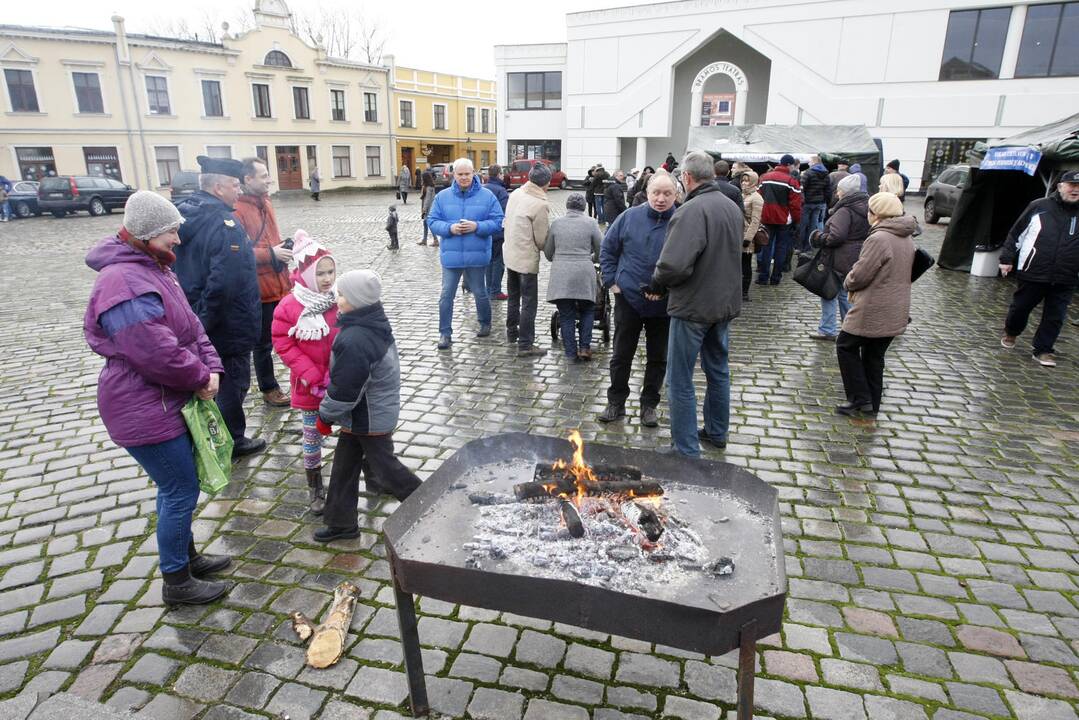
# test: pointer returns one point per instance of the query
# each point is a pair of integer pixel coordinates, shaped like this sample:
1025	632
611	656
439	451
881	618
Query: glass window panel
157	94
262	100
20	85
374	160
534	91
300	101
958	44
515	91
168	163
1066	54
552	90
370	107
1036	47
88	92
342	161
989	42
211	98
337	104
277	59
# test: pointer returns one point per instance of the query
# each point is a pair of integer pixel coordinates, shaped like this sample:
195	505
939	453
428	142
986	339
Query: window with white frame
168	162
470	120
277	58
440	116
485	158
370	107
261	97
20	88
374	160
337	104
88	92
485	120
219	151
342	161
301	103
405	109
157	95
212	105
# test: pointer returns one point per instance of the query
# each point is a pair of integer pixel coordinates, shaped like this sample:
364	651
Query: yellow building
439	118
139	108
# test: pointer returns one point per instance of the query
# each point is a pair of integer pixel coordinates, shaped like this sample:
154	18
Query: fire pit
665	549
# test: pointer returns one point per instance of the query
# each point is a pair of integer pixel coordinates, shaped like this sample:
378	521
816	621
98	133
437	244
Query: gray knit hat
540	175
148	215
849	184
360	287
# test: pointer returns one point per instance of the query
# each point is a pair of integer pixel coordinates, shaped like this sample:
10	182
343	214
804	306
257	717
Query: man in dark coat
815	195
614	197
834	177
215	263
728	188
701	269
1043	250
496	184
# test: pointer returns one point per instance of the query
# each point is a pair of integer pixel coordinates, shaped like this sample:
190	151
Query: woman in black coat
844	232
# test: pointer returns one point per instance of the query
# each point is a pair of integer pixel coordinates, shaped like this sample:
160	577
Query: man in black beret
215	262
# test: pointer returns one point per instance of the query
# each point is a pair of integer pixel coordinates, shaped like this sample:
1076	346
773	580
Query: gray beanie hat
576	202
360	287
148	215
849	184
540	175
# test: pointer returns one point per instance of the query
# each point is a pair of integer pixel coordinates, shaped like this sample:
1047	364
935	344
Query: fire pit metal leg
747	666
410	642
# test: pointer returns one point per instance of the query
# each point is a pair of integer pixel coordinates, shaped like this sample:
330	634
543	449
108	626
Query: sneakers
1008	341
329	534
649	417
612	413
444	342
275	398
822	336
501	296
531	352
1045	359
247	446
484	331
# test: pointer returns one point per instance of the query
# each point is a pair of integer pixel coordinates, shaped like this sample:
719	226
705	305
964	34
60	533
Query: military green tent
768	143
1025	167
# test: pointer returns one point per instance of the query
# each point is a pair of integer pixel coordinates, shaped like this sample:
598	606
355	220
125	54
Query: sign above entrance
741	84
1025	159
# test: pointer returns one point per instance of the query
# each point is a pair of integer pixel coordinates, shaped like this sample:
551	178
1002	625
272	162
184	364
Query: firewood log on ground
328	639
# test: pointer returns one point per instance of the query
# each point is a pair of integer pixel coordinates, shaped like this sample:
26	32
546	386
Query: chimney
122	51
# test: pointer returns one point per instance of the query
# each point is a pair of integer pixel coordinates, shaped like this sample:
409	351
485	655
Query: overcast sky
455	36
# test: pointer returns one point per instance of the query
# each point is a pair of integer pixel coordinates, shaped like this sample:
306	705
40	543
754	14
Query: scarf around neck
164	258
311	325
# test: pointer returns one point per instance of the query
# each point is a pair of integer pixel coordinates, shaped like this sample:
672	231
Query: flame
577	468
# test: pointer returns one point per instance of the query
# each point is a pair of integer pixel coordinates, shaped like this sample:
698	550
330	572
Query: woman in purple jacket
157	356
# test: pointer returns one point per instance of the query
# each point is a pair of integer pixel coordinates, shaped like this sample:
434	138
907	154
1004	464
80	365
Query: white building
927	78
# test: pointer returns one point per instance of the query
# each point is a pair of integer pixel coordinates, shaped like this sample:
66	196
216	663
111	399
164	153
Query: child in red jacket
303	330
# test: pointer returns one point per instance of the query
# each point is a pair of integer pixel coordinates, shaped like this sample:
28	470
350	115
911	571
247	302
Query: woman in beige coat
879	290
752	207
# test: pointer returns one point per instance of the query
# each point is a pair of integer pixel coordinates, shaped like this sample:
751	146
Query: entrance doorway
289	176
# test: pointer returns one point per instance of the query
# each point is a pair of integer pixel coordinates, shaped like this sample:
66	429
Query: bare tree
207	28
342	33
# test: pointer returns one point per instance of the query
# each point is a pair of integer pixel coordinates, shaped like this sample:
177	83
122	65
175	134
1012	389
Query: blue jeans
477	284
569	313
495	271
812	219
779	240
171	465
687	341
6	209
599	208
828	324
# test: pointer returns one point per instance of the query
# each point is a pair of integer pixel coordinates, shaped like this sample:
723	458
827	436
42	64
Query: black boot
202	565
182	589
315	492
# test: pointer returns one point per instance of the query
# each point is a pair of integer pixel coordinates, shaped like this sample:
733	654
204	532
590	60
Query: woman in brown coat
879	290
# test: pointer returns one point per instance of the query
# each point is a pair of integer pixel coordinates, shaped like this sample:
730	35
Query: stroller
603	313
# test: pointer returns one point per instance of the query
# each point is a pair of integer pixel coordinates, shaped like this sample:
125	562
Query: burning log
328	639
546	474
534	490
572	518
644	519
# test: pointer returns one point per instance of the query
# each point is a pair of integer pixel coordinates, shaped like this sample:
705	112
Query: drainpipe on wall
392	103
123	54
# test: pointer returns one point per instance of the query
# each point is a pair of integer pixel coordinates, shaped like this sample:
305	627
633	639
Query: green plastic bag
213	444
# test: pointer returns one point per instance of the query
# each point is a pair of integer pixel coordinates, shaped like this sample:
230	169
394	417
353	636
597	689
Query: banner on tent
1025	159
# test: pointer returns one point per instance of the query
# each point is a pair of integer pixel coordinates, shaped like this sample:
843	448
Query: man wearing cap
1042	249
891	181
782	212
834	177
526	228
215	263
255	212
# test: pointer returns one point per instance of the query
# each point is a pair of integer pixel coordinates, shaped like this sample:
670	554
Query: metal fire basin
425	535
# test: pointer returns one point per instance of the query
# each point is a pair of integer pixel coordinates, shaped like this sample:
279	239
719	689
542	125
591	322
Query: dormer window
277	59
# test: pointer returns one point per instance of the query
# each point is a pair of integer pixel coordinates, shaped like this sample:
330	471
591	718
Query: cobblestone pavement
931	555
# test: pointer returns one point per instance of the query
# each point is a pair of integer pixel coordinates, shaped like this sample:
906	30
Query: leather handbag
922	262
816	273
760	239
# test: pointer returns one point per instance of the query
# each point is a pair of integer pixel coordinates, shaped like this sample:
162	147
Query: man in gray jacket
700	266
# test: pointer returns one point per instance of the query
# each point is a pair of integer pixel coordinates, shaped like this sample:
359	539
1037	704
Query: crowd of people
187	295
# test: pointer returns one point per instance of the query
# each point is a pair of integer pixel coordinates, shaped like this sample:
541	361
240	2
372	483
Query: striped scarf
311	325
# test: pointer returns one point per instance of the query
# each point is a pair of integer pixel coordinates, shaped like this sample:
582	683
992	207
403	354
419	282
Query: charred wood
535	490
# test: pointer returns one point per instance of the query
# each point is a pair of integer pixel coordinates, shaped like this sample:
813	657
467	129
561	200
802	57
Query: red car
518	173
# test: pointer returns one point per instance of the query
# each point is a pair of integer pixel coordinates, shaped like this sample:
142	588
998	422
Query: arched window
277	58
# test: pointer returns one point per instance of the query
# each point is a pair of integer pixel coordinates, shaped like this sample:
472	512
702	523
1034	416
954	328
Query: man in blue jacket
627	259
495	270
215	262
465	215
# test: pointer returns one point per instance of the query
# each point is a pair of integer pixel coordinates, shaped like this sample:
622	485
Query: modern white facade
632	80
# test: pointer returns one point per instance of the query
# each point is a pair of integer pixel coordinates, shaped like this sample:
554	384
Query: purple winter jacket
152	368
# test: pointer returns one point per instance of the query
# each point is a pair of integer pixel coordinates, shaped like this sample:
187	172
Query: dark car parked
70	193
443	174
184	184
23	199
943	193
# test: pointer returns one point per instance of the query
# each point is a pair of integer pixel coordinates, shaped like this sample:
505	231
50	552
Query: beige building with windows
139	109
439	118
